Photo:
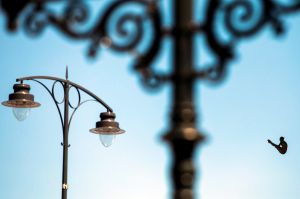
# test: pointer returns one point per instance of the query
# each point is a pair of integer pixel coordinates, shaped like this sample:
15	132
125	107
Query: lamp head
107	125
21	98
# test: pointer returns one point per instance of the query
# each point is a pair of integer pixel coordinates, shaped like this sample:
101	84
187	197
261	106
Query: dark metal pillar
183	136
65	142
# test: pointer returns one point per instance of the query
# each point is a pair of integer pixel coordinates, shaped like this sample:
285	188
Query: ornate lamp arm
66	81
66	84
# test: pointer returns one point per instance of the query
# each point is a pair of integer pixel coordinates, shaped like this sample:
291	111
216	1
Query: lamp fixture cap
21	98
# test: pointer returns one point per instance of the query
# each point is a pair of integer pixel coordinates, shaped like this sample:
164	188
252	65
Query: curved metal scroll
79	98
79	105
240	19
76	13
71	84
54	99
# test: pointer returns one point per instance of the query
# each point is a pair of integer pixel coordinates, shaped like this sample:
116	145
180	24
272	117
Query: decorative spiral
222	52
135	35
36	21
75	12
119	38
132	37
235	24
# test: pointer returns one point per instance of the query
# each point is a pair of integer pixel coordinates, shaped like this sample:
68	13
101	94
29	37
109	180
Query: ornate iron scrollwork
241	20
100	33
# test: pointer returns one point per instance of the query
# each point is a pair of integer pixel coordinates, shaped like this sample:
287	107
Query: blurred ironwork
240	19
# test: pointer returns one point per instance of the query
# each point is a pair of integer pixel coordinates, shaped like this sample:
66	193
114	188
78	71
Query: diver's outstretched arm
270	142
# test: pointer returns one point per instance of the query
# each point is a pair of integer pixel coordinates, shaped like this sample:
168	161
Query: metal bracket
62	144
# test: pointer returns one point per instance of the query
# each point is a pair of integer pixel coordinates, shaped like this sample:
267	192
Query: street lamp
22	101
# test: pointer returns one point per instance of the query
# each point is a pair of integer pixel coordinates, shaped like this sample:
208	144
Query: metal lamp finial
67	72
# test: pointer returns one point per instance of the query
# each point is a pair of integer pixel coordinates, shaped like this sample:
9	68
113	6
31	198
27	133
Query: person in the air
281	147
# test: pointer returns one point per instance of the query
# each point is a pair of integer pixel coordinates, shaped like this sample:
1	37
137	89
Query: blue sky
258	101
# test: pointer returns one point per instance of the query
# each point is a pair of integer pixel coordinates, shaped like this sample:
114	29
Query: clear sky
260	100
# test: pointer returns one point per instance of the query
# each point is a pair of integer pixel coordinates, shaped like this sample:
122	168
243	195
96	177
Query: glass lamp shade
21	113
107	128
107	140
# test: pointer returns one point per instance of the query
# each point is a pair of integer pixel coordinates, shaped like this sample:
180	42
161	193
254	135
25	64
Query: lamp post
240	19
22	101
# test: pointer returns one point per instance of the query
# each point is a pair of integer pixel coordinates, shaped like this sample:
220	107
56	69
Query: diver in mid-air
281	147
